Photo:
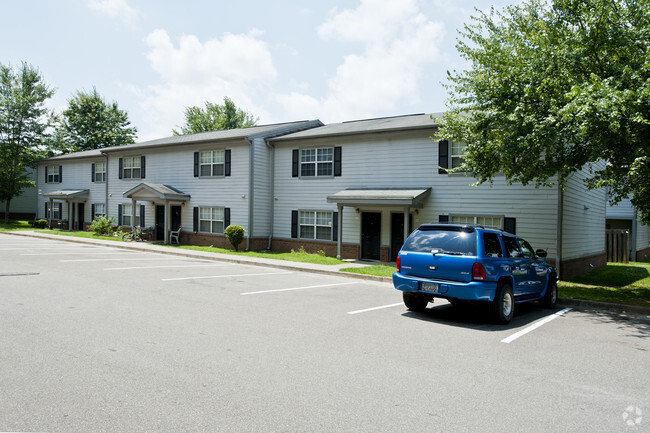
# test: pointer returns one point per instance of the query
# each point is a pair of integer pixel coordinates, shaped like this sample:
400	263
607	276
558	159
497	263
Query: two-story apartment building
351	189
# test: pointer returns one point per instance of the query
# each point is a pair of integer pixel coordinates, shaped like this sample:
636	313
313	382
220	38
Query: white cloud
114	8
398	41
192	72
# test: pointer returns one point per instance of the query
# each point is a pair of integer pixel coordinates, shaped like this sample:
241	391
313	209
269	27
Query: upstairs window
457	153
450	155
99	172
131	167
212	163
317	162
53	174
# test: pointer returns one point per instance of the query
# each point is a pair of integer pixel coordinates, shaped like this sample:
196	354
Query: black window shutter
142	167
335	226
337	161
443	156
92	211
443	218
196	164
46	217
294	223
226	217
510	225
60	173
142	212
295	164
227	164
120	172
46	174
196	220
92	172
119	214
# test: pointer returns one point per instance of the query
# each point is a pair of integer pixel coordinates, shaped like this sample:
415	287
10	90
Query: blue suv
464	263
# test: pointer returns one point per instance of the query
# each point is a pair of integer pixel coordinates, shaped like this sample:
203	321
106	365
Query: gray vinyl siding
642	236
262	188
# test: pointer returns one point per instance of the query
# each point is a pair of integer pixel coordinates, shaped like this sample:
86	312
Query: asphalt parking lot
97	338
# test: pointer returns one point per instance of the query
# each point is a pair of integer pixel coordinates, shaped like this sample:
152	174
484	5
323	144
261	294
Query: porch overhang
411	197
153	191
68	194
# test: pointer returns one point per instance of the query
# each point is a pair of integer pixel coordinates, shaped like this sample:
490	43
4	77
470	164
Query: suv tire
503	306
550	298
415	301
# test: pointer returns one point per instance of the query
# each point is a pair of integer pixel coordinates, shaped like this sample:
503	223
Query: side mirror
541	253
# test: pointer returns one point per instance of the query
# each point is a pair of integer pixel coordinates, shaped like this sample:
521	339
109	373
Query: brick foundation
348	251
573	268
642	254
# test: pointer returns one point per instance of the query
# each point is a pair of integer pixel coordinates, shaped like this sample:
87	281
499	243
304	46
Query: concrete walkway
296	266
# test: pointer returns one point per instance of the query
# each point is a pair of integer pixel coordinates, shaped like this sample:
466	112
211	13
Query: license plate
430	287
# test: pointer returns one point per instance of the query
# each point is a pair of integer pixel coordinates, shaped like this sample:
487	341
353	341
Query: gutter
251	172
92	217
560	217
272	195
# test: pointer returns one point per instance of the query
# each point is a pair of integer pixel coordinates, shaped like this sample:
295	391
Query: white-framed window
131	167
212	163
315	225
100	210
456	153
211	219
100	172
317	162
56	214
53	174
485	220
127	211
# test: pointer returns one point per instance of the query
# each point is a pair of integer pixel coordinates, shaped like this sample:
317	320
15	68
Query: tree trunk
7	211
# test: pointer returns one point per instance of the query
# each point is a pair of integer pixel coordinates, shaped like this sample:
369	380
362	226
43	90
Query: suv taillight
399	263
478	272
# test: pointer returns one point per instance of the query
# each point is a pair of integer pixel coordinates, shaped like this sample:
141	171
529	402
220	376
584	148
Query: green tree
553	85
23	124
215	117
90	122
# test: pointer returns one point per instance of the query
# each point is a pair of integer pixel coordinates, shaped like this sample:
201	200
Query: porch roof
380	196
68	194
147	190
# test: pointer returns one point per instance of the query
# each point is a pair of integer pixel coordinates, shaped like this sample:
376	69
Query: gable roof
383	124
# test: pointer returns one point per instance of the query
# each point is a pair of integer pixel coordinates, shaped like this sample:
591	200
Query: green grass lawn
377	270
295	256
620	283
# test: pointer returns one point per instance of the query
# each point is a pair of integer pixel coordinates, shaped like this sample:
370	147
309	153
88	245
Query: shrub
40	224
235	235
102	226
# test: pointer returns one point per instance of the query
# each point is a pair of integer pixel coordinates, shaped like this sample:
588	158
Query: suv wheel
550	298
503	306
415	301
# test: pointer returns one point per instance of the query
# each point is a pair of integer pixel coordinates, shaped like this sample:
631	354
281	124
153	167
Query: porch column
407	213
49	217
70	215
167	223
339	230
133	201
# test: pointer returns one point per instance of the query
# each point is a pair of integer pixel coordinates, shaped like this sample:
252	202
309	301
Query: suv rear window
461	242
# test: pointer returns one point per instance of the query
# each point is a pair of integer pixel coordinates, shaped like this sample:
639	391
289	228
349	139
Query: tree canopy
215	117
23	127
551	86
90	122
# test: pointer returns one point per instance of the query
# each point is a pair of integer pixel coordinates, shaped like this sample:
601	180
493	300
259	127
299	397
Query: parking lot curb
585	304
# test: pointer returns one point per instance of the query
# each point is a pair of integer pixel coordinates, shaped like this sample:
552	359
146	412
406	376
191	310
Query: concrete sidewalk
298	266
155	248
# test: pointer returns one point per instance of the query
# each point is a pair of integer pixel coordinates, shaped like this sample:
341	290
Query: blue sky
332	60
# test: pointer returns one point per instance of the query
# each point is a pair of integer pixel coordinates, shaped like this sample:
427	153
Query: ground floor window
211	219
316	225
99	210
56	214
486	221
127	212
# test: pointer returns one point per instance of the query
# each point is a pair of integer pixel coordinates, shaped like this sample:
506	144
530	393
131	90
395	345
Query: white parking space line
298	288
36	247
120	259
224	276
167	266
375	308
534	326
85	253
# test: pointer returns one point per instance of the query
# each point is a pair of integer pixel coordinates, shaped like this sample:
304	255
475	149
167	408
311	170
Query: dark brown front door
370	235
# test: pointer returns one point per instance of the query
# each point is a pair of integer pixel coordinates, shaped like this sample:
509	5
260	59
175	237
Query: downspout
272	195
251	167
560	217
92	217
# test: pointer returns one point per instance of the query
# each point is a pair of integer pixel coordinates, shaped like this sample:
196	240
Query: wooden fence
618	245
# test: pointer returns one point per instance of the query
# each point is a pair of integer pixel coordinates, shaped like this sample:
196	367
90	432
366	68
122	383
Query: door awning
149	191
68	194
411	197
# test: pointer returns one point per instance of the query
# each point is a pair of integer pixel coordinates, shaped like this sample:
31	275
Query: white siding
26	201
642	236
262	190
622	210
584	218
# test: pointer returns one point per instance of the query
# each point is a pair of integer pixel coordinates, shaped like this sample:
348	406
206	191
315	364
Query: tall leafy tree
90	122
553	85
23	127
215	117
